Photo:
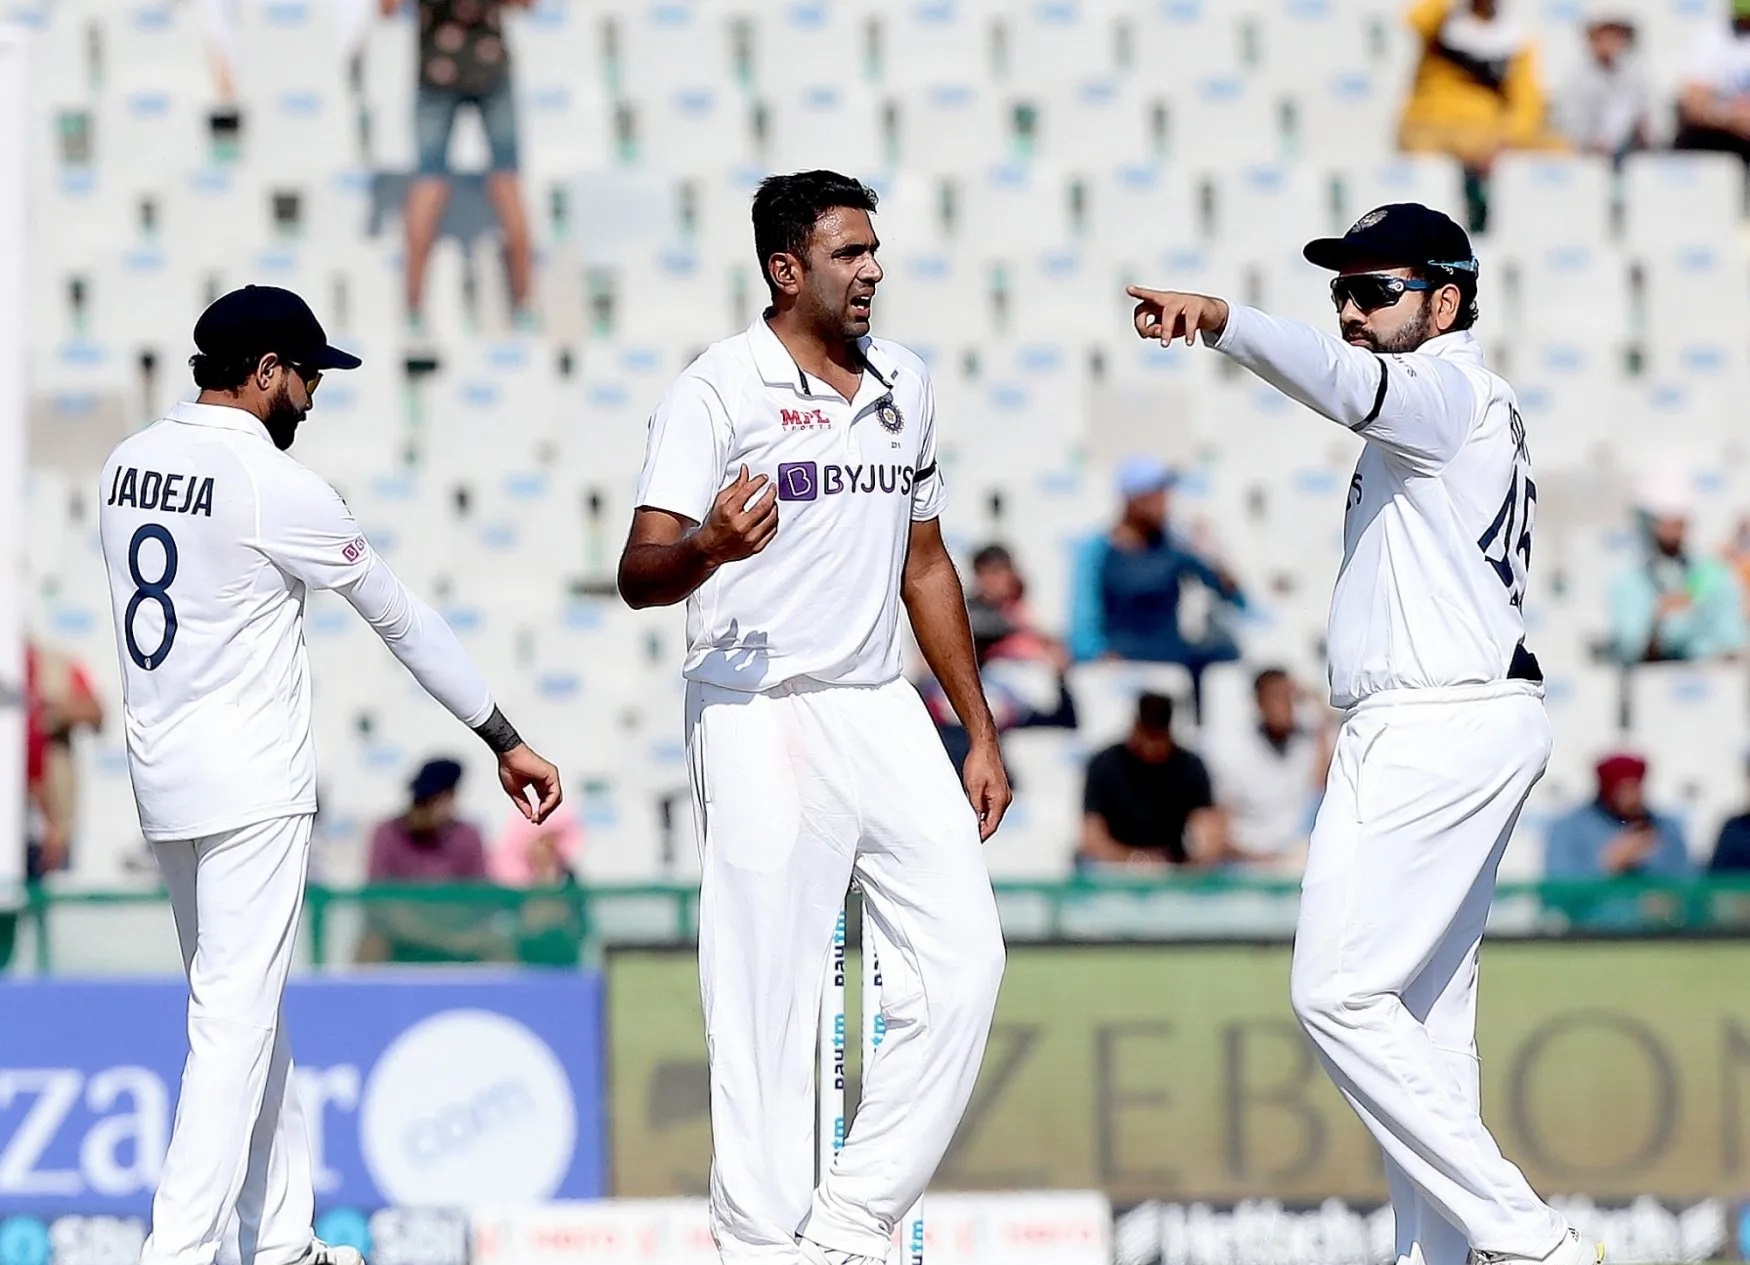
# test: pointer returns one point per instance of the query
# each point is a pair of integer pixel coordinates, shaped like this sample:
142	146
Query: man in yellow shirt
1476	91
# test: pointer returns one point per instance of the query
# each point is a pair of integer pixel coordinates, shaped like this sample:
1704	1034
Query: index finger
1145	294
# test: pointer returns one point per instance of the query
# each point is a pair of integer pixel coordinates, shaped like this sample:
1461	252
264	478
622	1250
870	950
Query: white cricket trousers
795	791
239	1145
1424	790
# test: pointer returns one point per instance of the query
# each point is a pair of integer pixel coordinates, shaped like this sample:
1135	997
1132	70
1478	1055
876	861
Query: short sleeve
1097	790
1704	63
686	454
928	493
306	530
1198	793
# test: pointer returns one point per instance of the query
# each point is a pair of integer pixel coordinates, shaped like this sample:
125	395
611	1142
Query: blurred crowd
1142	591
1479	92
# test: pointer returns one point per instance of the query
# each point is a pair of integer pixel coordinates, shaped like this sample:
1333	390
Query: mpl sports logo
809	481
804	419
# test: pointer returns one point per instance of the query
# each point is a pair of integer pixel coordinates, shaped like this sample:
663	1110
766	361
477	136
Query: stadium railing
115	932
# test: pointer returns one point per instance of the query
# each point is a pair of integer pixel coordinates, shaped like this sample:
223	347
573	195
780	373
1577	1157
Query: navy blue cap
1400	235
258	319
434	778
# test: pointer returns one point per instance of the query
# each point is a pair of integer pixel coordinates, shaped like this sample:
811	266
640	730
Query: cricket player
790	495
213	536
1444	732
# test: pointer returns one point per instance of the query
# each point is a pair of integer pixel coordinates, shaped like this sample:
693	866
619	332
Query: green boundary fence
1119	908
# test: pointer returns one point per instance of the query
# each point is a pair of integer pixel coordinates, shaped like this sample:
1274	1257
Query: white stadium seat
1549	200
825	124
951	125
1172	40
1223	119
1093	123
1058	40
1682	199
1432	180
1577	289
928	42
665	44
1344	116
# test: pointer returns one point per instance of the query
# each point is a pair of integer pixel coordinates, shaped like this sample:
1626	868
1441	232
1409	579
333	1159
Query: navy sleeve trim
1378	398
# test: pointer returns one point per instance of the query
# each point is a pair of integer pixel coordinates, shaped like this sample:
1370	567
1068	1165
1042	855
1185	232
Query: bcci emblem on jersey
888	414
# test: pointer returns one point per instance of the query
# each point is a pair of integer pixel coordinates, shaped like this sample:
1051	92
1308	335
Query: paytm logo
808	481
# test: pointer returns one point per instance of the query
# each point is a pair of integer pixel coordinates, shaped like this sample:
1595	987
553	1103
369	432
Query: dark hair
1465	280
786	209
992	556
214	374
1154	711
1267	676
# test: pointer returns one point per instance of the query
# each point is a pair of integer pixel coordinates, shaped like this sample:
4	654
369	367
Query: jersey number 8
151	591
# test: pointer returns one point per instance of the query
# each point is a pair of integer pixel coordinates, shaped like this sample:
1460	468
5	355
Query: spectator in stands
60	701
1605	106
1732	848
429	844
1147	800
1002	628
1713	110
1670	604
1476	92
222	18
527	855
1615	836
1127	582
550	920
1010	651
1268	778
464	60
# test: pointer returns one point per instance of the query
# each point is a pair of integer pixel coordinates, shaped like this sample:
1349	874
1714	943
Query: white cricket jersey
822	600
1437	537
212	537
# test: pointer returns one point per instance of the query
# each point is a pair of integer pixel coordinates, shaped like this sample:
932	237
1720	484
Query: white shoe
321	1253
815	1254
1572	1250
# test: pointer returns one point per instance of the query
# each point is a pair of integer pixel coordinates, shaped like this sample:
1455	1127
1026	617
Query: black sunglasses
310	378
1371	291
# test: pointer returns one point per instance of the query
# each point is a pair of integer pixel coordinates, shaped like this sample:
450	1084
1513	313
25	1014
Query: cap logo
1368	221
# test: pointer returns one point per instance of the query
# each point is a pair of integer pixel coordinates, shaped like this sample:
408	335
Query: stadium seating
1031	158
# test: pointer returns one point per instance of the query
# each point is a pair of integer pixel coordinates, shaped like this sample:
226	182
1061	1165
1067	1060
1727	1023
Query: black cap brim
1338	253
335	358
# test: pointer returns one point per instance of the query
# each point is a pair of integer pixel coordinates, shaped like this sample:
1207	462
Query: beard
282	418
1410	337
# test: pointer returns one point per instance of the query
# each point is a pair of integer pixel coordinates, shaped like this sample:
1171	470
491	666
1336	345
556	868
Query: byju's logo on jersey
808	481
798	481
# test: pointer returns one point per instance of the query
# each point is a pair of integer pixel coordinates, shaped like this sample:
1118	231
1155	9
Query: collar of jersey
223	416
1461	344
778	368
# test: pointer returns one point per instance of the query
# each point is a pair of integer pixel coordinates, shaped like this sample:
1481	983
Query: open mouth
860	304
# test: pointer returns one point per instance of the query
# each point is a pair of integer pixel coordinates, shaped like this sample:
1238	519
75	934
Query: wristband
498	733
